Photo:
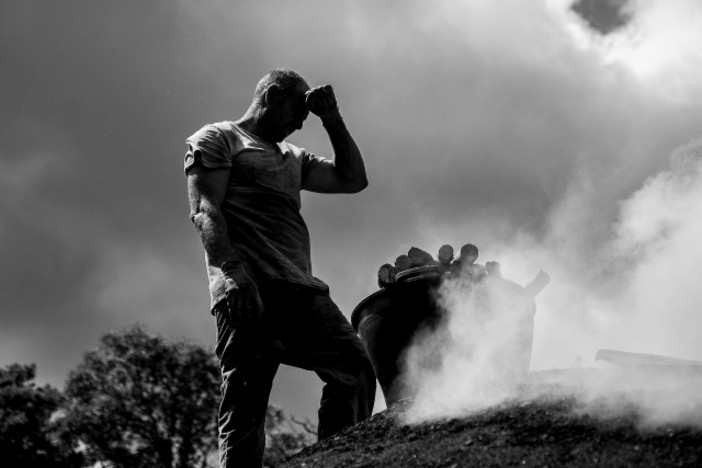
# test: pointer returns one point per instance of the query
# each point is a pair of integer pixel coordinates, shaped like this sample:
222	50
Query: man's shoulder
222	127
225	126
210	147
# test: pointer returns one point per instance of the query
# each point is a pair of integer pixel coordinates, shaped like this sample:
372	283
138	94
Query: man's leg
321	339
246	387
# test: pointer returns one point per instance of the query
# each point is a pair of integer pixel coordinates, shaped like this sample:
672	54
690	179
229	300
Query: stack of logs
464	265
445	263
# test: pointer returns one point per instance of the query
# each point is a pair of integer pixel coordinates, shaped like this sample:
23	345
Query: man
244	185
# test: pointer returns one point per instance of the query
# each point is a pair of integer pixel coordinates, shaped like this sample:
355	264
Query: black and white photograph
350	233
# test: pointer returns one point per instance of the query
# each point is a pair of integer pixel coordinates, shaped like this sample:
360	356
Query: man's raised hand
321	101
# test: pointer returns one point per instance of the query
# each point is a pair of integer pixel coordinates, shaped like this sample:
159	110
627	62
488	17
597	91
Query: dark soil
551	428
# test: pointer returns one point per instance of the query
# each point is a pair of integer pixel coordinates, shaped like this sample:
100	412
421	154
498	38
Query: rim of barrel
391	288
405	275
355	315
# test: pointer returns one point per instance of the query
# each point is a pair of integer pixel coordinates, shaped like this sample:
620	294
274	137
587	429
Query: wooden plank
624	358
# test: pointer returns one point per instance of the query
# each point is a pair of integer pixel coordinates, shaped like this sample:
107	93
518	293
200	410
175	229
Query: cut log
537	284
493	269
403	262
419	257
386	275
469	254
445	255
638	359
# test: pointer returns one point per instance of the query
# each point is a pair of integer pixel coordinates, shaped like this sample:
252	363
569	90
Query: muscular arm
347	173
206	190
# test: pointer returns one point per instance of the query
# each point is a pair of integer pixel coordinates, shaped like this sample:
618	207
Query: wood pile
446	264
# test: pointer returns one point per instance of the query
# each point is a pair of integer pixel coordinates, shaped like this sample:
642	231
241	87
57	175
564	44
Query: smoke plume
630	285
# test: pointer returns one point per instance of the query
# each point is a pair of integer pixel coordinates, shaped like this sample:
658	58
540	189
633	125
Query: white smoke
631	287
484	343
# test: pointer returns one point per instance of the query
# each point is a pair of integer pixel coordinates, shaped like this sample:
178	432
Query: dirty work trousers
303	328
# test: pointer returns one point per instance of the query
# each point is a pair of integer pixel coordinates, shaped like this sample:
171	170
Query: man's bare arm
206	191
347	173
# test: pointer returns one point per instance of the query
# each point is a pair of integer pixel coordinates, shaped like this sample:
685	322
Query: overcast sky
504	124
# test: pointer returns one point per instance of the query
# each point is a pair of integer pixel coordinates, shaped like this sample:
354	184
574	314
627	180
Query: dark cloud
604	16
473	123
45	274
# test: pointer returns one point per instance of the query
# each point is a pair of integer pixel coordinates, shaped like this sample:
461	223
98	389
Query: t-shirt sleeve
207	147
310	161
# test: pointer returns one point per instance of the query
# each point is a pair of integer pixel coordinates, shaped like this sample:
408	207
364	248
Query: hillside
554	420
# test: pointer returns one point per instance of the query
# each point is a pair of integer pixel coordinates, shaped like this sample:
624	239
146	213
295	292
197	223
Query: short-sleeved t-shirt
261	205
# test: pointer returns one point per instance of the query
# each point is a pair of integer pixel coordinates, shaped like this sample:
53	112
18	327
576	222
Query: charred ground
550	428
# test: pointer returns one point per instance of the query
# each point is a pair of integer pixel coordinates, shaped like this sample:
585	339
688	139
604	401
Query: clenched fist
322	102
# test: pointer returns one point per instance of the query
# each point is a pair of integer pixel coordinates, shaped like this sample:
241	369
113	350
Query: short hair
286	79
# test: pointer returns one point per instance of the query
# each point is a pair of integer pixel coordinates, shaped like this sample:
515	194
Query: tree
285	436
141	401
29	437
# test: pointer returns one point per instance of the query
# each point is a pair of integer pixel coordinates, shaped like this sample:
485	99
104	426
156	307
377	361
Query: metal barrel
388	320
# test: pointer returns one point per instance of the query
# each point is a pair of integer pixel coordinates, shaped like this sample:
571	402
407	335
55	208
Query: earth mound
568	418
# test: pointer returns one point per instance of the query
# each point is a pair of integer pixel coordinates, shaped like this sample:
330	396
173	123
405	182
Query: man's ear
274	95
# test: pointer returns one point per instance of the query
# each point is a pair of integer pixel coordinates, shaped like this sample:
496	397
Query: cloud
658	235
479	122
631	288
658	46
605	16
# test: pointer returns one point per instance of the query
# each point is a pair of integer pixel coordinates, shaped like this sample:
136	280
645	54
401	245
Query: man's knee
354	380
359	376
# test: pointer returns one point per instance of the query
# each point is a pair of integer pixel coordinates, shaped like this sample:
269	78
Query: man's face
288	115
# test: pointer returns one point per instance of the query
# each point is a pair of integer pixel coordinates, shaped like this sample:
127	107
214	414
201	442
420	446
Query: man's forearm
347	156
214	236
